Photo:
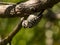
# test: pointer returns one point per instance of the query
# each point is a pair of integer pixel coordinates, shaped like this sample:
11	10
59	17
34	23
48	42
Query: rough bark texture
26	8
23	9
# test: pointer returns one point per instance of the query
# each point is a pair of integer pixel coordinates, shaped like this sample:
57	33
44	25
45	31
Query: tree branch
8	39
26	8
21	10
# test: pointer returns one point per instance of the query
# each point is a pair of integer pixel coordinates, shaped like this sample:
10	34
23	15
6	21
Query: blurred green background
37	35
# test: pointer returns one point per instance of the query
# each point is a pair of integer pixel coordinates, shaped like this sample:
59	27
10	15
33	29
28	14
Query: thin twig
8	39
6	3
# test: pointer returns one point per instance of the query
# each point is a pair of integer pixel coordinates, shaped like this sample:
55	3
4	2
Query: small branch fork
22	10
8	39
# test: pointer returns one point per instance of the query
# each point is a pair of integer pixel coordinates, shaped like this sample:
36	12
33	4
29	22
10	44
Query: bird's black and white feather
32	20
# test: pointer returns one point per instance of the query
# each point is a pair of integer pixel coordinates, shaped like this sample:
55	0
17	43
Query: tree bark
26	8
22	10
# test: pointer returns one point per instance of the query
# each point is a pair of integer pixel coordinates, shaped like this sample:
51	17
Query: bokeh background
46	32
